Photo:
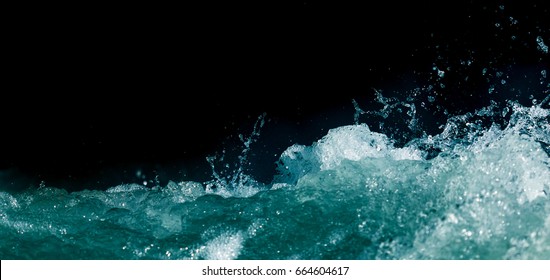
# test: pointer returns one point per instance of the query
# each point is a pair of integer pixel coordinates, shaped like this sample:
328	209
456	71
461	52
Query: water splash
233	180
476	190
394	184
541	45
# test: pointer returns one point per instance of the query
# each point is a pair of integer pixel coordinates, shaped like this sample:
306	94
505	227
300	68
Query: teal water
480	189
410	176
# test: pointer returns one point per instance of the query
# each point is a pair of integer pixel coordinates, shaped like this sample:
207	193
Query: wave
479	189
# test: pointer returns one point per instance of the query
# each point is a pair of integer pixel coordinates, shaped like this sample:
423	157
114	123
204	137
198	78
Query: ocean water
480	189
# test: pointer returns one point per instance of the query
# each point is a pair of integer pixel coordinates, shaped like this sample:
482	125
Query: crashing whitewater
477	190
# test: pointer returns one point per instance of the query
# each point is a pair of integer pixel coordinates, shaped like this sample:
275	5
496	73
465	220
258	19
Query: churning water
382	187
470	192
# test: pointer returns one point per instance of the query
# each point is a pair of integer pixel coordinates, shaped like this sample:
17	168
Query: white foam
226	246
183	191
357	142
126	188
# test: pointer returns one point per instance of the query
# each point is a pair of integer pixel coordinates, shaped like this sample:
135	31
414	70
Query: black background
95	92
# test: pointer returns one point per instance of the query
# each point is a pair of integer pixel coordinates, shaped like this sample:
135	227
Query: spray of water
232	179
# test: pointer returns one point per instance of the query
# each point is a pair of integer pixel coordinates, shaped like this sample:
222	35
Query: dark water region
413	130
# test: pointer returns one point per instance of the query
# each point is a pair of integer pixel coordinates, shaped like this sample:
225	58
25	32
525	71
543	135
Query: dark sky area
100	88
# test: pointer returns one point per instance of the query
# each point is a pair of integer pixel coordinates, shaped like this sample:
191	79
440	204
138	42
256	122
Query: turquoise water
409	176
480	189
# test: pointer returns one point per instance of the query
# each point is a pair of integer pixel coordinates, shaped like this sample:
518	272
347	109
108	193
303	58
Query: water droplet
541	46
